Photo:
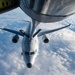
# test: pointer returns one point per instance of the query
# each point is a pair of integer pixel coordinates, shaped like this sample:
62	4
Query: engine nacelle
15	39
45	39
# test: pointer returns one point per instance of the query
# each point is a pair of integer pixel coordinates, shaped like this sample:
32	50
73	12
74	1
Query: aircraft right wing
6	5
51	31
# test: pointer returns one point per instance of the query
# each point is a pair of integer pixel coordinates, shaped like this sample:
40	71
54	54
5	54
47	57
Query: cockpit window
27	53
30	53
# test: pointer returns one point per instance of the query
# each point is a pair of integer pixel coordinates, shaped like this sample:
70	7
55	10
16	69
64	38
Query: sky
55	58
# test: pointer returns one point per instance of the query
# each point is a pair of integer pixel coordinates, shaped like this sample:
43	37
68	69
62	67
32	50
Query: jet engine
45	39
15	39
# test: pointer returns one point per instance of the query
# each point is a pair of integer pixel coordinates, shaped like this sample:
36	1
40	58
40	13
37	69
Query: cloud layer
55	58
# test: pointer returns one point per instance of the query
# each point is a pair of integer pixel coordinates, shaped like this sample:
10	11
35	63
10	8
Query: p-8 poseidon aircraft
47	11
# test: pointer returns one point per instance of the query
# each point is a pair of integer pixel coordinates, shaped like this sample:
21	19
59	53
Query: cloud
55	58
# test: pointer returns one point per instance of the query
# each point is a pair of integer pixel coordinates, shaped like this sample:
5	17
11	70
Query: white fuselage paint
30	48
30	45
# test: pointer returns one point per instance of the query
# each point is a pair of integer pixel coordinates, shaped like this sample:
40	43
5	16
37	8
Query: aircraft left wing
51	31
6	5
12	31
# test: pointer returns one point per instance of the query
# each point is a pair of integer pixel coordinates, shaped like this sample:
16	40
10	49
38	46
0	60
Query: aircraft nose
29	65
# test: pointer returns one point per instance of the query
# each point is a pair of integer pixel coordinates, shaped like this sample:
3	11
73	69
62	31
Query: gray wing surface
51	31
12	31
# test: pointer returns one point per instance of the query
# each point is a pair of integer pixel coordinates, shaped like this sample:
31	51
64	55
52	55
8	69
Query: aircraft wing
12	31
51	31
6	5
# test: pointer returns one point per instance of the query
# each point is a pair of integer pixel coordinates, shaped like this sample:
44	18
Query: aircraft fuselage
30	50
